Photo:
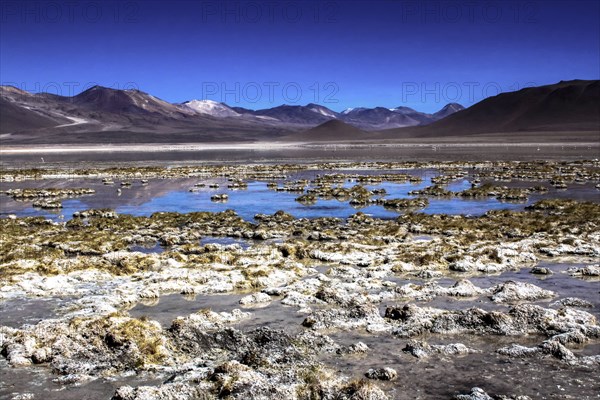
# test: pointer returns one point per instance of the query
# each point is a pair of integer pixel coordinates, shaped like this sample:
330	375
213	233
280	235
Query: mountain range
369	119
567	106
104	115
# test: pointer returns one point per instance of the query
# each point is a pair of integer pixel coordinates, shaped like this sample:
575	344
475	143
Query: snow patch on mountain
266	118
403	110
75	121
323	111
210	107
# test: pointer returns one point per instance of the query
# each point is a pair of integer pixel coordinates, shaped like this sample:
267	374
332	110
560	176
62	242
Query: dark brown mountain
330	131
13	117
565	106
310	114
125	101
379	118
447	110
104	115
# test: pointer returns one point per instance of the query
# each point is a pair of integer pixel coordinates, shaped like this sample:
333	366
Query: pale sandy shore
44	149
150	148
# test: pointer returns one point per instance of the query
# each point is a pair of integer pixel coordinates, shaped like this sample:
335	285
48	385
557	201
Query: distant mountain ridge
370	119
104	115
99	106
332	130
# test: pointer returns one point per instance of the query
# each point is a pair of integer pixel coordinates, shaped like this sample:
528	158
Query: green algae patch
147	336
140	341
547	216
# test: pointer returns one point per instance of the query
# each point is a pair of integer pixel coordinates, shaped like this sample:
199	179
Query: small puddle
422	238
166	308
147	249
243	243
226	241
37	380
274	315
18	312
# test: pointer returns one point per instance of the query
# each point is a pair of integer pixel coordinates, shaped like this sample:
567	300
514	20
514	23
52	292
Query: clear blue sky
344	53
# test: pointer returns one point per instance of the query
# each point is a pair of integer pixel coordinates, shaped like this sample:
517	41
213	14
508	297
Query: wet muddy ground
134	305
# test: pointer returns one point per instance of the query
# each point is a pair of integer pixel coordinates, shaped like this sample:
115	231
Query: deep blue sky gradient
421	54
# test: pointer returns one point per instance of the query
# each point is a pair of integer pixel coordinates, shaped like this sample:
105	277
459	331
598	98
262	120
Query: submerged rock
411	320
48	204
541	271
464	288
480	394
23	396
421	349
172	391
262	299
516	350
573	302
356	348
383	374
366	315
476	394
590	270
513	291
